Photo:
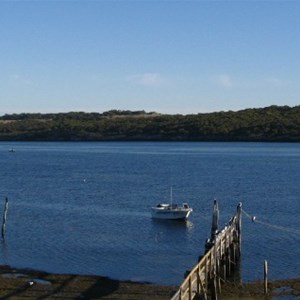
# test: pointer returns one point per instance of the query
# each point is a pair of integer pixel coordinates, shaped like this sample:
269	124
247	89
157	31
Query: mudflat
30	284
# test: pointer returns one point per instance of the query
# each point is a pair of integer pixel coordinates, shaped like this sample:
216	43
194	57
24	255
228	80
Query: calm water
84	208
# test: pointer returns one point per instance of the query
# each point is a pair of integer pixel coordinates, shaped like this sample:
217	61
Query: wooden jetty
222	255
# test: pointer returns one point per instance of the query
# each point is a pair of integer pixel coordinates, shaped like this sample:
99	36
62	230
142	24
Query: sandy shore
30	284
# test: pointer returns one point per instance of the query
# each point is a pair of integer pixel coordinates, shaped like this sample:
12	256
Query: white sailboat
170	211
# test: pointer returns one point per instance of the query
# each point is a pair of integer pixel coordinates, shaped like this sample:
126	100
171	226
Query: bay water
84	208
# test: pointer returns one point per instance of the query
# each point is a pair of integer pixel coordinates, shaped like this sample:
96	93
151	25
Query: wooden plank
202	288
190	288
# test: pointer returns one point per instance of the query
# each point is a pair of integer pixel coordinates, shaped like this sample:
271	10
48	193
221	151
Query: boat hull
165	214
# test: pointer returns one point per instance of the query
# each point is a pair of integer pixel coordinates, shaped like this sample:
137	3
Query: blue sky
164	56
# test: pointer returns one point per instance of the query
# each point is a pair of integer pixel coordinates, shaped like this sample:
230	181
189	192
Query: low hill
269	124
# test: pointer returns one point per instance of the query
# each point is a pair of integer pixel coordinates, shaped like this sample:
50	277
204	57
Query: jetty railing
223	252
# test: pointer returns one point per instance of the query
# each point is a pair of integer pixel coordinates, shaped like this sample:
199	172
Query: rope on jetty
282	228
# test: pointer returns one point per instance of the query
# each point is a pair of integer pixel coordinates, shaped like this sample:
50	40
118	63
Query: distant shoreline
270	124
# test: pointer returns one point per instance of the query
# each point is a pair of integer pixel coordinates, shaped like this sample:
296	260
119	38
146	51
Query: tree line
269	124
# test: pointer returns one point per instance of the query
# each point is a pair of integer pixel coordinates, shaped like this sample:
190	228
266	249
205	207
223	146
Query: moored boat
170	211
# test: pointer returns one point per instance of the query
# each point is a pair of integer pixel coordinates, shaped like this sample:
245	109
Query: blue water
84	208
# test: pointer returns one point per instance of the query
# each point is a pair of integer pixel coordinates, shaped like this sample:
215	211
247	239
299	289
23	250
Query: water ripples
84	208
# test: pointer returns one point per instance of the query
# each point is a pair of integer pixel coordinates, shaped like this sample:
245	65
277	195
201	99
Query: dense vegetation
274	123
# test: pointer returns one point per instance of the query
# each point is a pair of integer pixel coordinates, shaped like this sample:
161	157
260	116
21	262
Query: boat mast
171	196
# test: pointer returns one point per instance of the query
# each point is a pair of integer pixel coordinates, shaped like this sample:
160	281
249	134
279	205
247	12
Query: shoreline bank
31	284
277	289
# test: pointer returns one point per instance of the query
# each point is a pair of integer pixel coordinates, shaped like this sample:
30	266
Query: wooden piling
4	218
215	221
239	229
266	277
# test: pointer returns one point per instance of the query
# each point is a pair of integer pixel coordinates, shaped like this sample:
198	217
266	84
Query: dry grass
285	289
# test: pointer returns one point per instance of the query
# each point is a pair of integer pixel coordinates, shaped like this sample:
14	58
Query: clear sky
158	55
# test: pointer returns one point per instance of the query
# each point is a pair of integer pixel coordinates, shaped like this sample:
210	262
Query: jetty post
239	226
266	277
4	218
220	260
214	227
215	221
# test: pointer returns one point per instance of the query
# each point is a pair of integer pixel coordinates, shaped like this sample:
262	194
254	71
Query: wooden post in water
239	227
266	277
4	217
214	227
215	221
214	280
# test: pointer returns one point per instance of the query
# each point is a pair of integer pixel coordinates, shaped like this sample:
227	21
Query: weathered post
4	217
214	227
213	258
266	277
239	226
215	221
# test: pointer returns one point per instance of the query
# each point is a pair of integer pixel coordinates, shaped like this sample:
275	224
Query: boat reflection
164	230
174	223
